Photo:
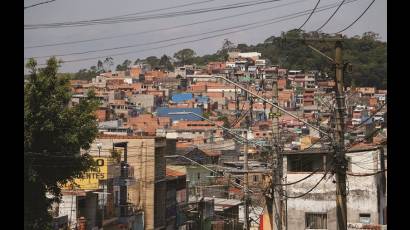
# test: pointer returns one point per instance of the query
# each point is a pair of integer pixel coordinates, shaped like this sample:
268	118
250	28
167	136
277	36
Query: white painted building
366	195
250	55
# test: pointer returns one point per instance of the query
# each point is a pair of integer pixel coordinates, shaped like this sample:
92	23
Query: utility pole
339	157
245	175
340	164
277	171
124	207
245	187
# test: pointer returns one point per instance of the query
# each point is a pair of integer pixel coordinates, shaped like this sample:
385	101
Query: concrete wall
68	206
146	101
362	194
145	155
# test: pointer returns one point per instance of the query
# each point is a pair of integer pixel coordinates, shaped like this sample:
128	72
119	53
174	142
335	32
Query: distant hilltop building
253	55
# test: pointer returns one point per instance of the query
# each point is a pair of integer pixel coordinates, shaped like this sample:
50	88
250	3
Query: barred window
316	220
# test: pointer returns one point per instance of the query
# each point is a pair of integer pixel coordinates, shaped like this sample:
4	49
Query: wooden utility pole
277	170
340	159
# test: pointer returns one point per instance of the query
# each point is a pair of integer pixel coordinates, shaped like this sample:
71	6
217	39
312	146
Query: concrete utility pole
245	175
245	187
339	157
277	166
124	208
341	163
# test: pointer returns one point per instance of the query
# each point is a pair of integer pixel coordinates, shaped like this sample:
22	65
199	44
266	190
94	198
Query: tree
153	61
100	66
165	63
93	69
54	133
226	47
108	63
136	62
185	56
86	74
242	47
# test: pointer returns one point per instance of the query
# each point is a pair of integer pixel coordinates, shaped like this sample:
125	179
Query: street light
99	146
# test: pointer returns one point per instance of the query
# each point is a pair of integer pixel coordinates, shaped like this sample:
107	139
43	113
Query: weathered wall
68	206
362	194
146	156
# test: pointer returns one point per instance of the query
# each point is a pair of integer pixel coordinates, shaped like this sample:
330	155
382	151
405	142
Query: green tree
153	61
136	62
54	133
124	66
108	63
225	120
84	74
165	63
118	68
226	47
185	56
93	69
100	66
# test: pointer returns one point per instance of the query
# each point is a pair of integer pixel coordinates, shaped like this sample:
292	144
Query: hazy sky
72	10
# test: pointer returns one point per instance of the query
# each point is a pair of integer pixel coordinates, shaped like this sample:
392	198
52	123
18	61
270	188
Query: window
199	176
255	178
364	218
304	162
316	220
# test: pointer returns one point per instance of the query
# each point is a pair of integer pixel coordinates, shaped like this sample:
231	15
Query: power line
160	29
331	16
152	43
204	38
310	190
37	4
161	41
356	18
365	138
122	19
310	15
300	180
374	114
166	8
366	174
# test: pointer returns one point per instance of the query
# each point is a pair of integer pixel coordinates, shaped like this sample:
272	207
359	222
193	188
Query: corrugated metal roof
202	99
181	97
165	112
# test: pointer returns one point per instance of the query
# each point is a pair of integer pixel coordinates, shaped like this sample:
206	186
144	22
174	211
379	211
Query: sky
374	20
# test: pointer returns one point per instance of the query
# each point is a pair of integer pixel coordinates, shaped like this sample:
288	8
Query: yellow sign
90	180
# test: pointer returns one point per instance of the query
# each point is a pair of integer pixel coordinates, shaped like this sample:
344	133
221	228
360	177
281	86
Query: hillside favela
205	115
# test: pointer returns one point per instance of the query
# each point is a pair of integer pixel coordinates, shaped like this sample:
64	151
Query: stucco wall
362	194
